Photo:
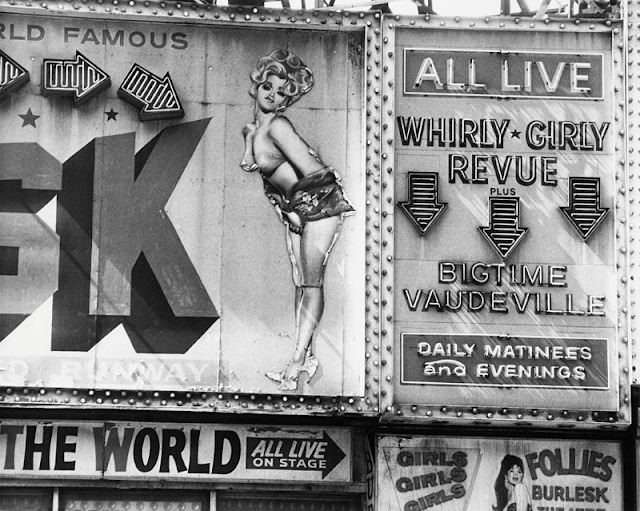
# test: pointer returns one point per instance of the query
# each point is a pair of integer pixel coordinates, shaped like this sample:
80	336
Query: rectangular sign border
499	446
617	417
402	334
173	475
367	402
503	96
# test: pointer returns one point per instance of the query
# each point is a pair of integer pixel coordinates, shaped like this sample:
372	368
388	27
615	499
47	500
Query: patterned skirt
318	195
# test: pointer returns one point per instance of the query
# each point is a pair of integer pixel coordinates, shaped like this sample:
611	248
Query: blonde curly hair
287	66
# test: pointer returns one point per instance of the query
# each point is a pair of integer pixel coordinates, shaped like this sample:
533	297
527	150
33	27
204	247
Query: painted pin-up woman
306	193
511	493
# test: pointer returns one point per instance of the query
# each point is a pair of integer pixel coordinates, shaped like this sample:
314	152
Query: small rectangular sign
293	453
502	360
517	74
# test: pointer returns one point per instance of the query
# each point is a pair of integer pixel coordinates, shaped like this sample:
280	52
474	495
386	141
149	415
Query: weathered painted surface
147	259
504	474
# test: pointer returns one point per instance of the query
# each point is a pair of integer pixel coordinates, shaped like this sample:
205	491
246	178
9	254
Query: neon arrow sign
504	231
79	78
156	96
423	207
12	75
584	211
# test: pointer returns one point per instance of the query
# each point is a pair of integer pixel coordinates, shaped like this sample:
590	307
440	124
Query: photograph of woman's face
514	475
270	95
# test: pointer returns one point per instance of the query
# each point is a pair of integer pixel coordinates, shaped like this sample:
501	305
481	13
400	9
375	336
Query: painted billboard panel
505	221
501	474
185	452
183	206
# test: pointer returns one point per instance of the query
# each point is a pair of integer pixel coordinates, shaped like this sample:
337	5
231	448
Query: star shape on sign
515	133
29	119
111	114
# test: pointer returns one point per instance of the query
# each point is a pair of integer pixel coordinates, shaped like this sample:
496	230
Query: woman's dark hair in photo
502	494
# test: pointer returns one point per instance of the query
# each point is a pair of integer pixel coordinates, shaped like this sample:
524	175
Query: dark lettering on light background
166	450
175	451
91	37
441	477
520	298
131	38
423	474
151	288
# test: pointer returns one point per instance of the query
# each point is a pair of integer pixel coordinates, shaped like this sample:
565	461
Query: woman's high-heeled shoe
289	383
275	375
310	366
284	382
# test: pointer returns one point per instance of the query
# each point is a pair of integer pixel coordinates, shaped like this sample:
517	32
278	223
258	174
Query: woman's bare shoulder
280	126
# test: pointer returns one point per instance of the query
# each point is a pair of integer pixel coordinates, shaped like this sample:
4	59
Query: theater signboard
173	452
510	220
419	473
184	205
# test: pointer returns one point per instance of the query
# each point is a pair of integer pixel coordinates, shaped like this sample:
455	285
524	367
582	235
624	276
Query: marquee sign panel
180	221
509	249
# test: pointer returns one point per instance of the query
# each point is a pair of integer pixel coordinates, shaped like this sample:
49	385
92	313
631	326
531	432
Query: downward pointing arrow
423	207
504	231
584	211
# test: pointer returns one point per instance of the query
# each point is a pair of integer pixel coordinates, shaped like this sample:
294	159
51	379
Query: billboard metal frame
368	24
572	416
632	24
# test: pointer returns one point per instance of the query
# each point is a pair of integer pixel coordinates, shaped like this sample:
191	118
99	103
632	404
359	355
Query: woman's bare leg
293	248
298	306
316	243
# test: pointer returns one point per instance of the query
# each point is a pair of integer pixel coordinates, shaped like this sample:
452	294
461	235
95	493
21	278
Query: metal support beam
542	10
